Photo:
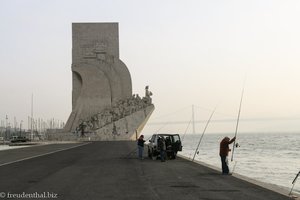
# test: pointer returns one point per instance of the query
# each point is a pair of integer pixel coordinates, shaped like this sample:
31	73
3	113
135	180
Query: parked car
15	139
173	145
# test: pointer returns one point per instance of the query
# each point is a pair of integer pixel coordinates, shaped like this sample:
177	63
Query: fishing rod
294	182
186	130
237	122
134	150
203	133
233	167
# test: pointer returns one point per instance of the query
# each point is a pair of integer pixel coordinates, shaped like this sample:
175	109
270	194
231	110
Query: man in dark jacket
224	150
140	144
162	148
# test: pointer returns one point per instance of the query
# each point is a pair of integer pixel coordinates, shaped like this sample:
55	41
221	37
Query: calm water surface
268	157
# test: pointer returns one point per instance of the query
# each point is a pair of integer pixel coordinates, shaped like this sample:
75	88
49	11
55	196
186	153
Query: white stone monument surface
103	106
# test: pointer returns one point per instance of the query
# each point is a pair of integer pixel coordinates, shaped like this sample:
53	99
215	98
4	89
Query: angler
224	150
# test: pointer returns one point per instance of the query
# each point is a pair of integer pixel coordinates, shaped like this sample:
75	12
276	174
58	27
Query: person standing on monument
140	144
224	150
81	127
148	95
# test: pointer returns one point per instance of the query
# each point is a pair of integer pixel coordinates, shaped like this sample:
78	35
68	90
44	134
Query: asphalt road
110	170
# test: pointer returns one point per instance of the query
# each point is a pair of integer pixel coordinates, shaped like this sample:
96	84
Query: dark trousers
140	151
162	155
225	169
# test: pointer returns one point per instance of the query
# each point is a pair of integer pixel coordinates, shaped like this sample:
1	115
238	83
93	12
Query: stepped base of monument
127	128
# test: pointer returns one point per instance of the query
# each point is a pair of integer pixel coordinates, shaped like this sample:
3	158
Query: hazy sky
188	52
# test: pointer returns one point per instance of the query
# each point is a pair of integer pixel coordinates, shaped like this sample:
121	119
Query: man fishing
140	144
224	150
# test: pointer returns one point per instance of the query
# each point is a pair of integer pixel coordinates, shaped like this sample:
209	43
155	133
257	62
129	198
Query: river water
270	157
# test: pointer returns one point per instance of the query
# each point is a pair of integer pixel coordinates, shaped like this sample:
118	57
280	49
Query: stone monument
103	106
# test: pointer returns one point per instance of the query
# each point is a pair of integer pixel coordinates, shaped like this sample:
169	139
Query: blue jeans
140	151
225	169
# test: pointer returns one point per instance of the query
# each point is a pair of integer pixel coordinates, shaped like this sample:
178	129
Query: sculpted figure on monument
95	120
90	126
114	131
148	94
138	98
107	116
116	113
132	104
81	128
103	121
100	120
126	109
118	110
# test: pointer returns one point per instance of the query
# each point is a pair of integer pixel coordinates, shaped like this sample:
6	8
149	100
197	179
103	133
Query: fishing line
203	133
168	114
162	127
186	130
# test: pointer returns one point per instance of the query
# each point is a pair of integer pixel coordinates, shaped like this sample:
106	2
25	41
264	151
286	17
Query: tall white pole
31	134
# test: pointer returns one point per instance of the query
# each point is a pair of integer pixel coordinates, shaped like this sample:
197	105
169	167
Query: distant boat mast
31	134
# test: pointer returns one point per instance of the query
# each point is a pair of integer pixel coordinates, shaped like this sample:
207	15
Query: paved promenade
110	170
